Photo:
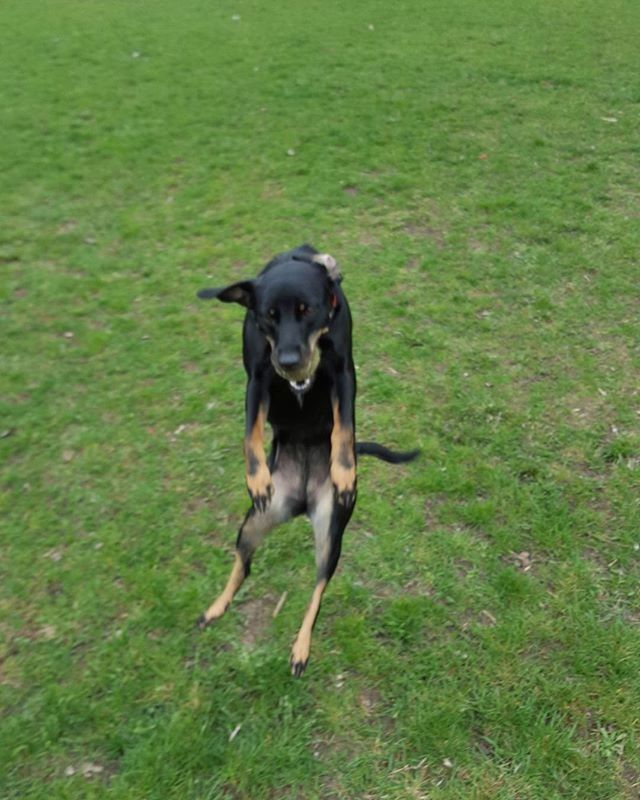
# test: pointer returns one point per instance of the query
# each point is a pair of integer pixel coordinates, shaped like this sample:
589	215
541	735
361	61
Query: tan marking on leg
343	465
258	475
235	581
302	645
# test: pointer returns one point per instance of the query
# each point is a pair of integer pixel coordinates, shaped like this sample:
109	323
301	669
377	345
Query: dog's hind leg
329	519
252	531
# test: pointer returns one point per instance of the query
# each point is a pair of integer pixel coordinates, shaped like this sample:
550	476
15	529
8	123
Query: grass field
474	168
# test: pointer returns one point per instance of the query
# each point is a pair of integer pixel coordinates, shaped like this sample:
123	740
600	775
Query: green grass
474	168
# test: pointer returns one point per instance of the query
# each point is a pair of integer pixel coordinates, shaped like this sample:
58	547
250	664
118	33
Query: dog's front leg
343	456
257	471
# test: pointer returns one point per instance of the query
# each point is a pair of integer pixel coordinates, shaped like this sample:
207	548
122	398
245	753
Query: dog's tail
384	454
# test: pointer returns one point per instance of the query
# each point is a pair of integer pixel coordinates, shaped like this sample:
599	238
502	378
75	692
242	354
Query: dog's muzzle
300	377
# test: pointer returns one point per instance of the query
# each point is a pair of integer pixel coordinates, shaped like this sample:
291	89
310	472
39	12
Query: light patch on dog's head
330	264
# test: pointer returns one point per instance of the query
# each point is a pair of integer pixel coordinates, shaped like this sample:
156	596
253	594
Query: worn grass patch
474	169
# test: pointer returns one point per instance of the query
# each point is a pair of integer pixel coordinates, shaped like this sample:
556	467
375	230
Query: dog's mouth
301	386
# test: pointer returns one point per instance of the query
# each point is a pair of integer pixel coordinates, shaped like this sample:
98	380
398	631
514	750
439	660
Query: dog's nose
288	358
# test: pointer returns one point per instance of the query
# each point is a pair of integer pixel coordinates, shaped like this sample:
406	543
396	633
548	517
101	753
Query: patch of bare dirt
367	239
597	559
523	561
431	506
464	567
257	615
102	771
416	587
426	232
192	366
630	777
9	673
482	619
369	699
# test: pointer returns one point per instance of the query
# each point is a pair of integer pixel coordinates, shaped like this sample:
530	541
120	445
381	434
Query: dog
301	379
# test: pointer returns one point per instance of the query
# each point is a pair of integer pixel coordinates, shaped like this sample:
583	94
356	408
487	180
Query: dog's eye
303	309
272	313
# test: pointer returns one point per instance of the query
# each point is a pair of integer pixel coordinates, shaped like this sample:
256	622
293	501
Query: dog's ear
330	264
242	292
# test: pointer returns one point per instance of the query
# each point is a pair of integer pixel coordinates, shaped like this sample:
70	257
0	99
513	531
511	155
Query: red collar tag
334	299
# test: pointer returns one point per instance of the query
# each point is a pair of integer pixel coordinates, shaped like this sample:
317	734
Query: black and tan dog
301	379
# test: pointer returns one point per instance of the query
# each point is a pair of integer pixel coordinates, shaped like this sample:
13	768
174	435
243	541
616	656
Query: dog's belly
301	471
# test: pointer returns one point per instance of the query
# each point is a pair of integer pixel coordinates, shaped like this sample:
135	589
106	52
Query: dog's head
293	303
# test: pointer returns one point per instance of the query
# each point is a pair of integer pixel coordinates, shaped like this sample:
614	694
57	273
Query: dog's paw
344	482
213	613
299	657
202	623
347	499
260	488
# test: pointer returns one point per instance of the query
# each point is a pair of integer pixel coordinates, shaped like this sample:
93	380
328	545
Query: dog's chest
308	410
